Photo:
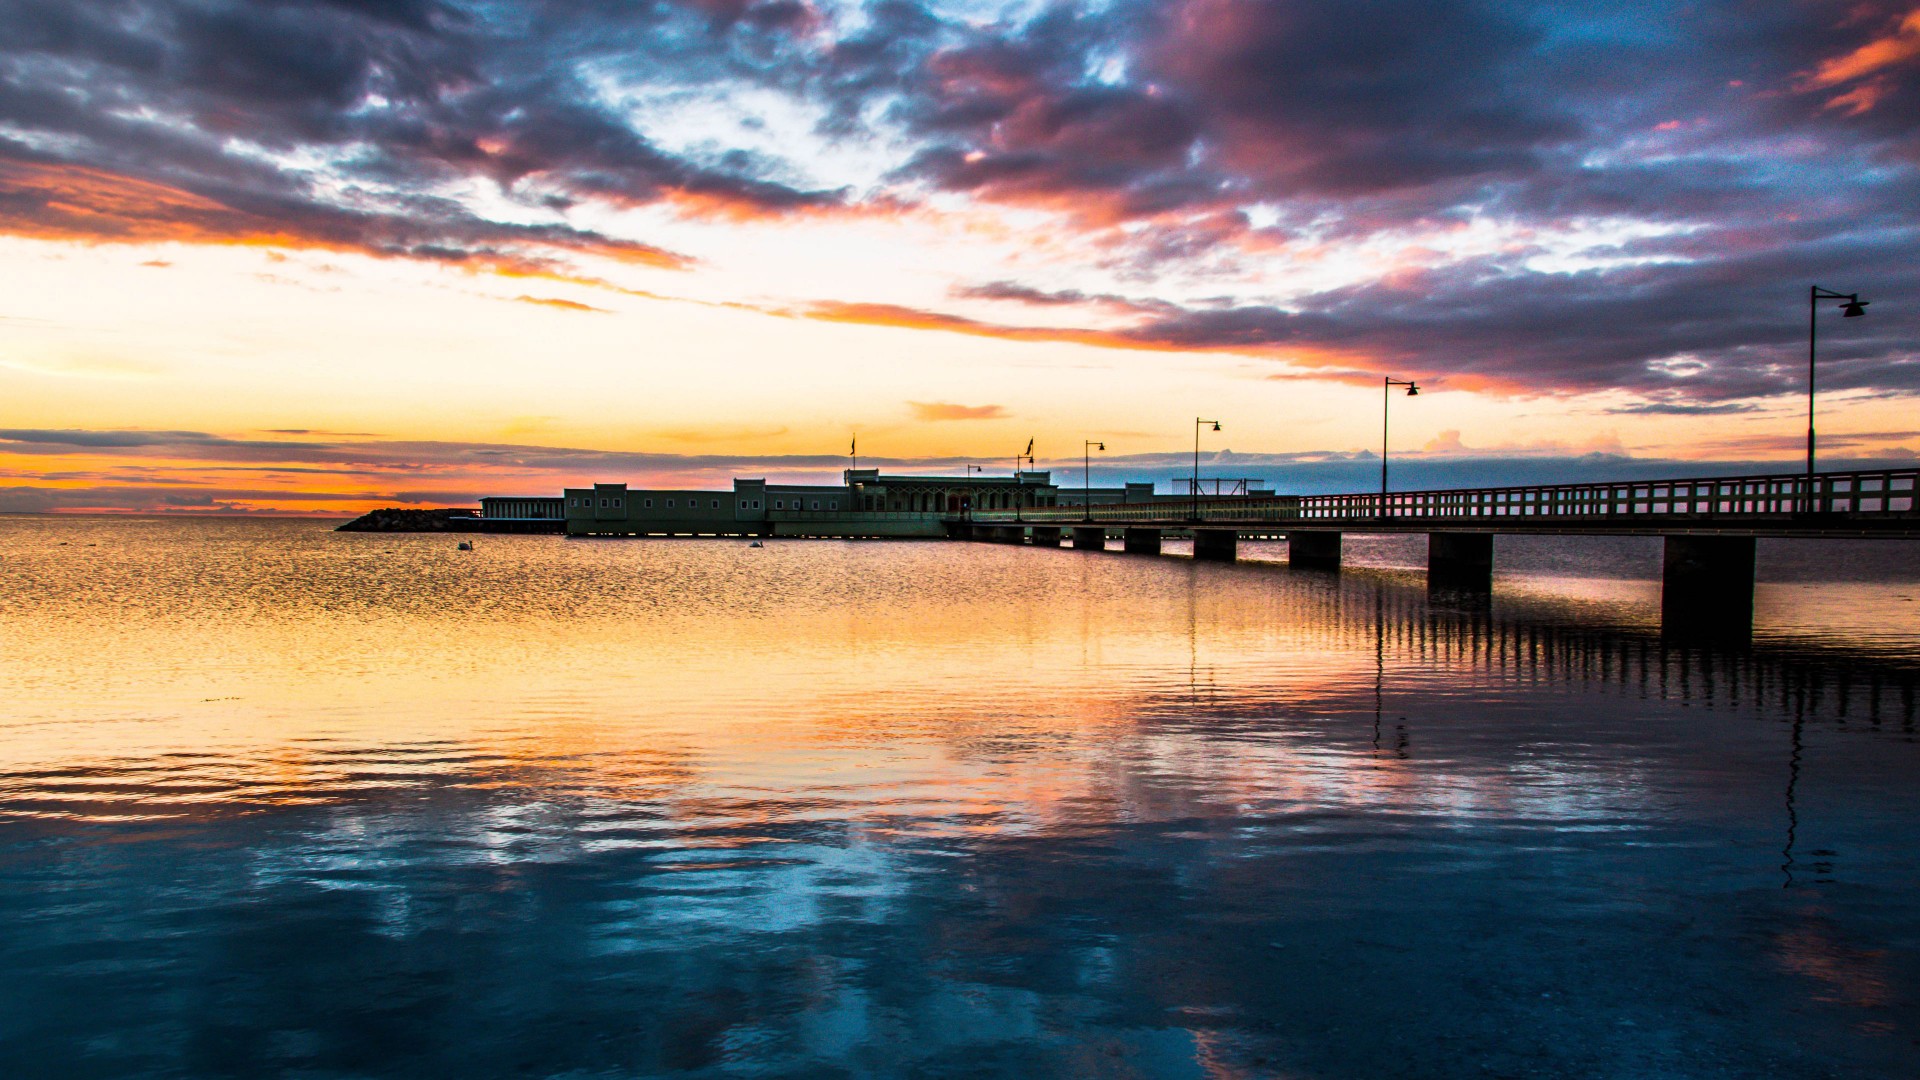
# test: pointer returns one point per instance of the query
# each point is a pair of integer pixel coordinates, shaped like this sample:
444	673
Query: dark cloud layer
146	119
1347	120
1753	148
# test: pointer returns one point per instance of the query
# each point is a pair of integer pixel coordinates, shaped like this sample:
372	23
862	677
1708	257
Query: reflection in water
1793	781
274	799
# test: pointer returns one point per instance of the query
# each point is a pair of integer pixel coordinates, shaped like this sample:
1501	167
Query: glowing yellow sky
244	342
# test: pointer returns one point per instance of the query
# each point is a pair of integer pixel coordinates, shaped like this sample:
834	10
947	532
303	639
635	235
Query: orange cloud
79	203
1143	338
1897	46
946	410
556	302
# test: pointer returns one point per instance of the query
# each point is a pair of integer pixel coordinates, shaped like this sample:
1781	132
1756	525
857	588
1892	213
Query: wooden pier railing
1884	497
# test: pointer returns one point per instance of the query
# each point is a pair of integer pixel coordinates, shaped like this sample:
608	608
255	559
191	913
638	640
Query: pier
1710	526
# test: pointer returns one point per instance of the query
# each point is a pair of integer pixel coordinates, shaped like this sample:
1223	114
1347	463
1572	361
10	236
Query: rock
395	519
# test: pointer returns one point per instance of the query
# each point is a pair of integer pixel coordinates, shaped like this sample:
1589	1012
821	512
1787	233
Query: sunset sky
324	256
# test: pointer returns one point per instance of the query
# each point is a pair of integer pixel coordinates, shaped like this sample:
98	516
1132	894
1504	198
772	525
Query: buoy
756	543
466	545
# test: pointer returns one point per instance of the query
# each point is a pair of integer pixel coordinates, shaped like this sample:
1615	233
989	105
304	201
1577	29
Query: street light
1019	485
1386	395
1086	476
1852	309
1197	425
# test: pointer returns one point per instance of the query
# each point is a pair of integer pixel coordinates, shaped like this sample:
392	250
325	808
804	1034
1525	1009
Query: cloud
1550	198
1685	408
343	127
1898	46
54	201
943	410
564	305
174	471
85	366
1692	337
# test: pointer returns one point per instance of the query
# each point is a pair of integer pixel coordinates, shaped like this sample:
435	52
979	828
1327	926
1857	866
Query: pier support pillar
1046	536
1090	537
1141	541
1461	562
1011	534
1216	545
1706	587
1317	550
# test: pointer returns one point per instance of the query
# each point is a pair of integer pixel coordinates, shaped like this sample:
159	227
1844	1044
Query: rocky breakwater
395	519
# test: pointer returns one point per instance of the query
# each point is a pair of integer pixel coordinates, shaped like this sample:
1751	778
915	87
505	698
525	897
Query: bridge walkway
1709	524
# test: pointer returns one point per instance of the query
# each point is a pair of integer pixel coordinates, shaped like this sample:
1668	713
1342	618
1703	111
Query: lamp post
1020	485
1852	309
1086	477
1386	396
1197	425
971	469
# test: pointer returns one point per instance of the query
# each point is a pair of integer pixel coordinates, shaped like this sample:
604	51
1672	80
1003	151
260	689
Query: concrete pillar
1216	545
1706	586
1141	541
1460	561
1090	537
1010	534
1046	536
1317	550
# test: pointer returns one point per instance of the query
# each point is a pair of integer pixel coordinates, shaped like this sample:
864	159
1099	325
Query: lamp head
1414	390
1216	425
1099	446
1853	308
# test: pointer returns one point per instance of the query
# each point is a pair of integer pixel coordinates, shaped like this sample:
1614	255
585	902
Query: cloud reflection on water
275	797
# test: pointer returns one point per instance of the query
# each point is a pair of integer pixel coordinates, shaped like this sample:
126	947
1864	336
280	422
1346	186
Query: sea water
281	801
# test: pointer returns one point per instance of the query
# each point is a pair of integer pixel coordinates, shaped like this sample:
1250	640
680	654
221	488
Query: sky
327	255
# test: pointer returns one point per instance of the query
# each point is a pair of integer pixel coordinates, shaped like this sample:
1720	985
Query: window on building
780	504
743	504
756	504
816	504
616	504
606	503
716	504
669	504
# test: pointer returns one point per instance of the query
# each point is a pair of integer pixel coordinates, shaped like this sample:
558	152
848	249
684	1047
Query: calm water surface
280	801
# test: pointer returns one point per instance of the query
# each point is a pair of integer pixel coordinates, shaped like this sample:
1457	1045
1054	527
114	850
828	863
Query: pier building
537	508
868	504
